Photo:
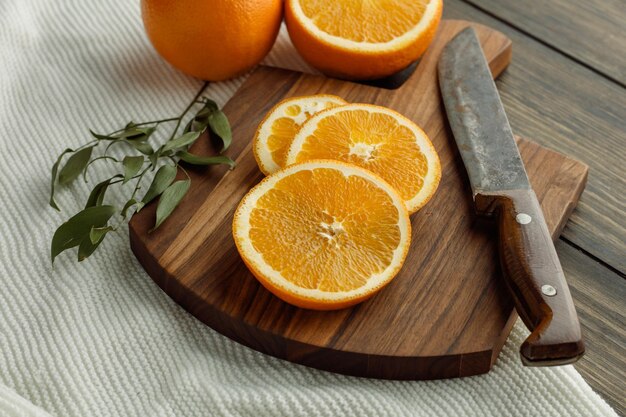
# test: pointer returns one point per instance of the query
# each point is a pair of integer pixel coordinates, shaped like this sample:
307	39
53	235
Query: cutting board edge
417	367
452	366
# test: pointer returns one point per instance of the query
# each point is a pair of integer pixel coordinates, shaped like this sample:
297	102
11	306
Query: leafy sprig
88	228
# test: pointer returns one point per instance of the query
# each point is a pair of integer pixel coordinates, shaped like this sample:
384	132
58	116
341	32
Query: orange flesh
284	129
374	141
323	230
375	21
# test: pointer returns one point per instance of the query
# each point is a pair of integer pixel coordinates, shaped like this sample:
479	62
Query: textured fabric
99	338
13	405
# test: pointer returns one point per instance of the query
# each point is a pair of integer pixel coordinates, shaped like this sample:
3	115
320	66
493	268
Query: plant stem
113	142
86	145
204	86
171	119
139	181
122	179
94	160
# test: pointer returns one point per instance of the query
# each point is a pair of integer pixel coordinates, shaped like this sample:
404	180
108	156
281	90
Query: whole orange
212	39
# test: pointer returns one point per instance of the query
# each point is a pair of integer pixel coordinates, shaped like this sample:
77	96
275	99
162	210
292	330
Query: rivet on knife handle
534	275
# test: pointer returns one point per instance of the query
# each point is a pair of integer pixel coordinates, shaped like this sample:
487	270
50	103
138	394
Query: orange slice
362	38
280	125
375	138
323	234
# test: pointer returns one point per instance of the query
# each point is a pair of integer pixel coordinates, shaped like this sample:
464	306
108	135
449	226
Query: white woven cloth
99	338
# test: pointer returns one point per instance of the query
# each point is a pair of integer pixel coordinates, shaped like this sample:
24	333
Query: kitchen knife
501	188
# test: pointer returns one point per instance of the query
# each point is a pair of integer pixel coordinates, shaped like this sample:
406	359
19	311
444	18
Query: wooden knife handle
535	278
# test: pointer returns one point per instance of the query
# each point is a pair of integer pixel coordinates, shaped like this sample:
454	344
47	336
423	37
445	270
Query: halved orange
378	139
280	125
362	38
323	234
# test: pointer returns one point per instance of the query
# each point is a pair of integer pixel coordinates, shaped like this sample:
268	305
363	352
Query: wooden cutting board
447	314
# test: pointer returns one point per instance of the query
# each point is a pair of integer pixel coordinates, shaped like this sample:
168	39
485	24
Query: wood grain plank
573	110
599	296
590	31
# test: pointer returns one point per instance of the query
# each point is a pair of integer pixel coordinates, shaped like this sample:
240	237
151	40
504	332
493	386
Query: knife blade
501	188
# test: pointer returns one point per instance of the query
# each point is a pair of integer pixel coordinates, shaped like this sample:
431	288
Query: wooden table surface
565	88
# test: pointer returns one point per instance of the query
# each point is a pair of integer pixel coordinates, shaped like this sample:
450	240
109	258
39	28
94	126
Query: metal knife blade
530	264
477	118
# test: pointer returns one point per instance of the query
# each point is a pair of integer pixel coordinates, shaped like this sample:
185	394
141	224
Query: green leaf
134	133
201	120
76	229
87	246
101	137
201	125
141	146
209	104
184	140
170	198
188	126
205	160
96	234
97	194
153	158
55	169
130	132
129	204
162	179
75	165
132	165
203	113
220	126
